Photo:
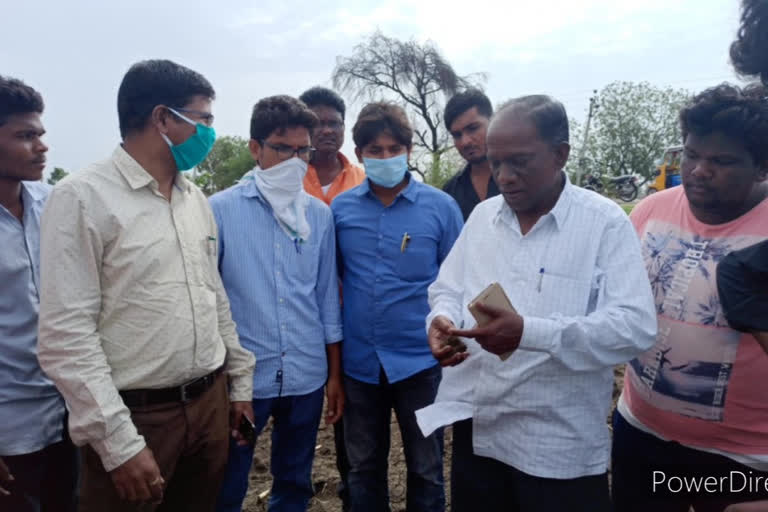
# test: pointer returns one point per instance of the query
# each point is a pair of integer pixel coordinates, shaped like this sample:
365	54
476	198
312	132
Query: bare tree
416	75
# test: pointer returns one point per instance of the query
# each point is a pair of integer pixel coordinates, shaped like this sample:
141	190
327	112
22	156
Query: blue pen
296	243
541	277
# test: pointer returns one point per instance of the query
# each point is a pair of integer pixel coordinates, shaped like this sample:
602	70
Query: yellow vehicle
667	171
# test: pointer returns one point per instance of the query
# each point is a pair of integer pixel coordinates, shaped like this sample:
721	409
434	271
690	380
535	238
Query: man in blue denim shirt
393	232
277	258
34	447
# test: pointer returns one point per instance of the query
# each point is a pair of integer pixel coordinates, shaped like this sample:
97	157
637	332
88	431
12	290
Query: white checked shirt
543	410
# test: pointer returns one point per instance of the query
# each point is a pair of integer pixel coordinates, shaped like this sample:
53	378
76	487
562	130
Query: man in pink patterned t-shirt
696	405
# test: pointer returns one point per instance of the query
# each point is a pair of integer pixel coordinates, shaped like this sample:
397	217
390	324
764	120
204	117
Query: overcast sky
76	52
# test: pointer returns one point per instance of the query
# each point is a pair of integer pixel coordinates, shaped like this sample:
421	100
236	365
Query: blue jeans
366	434
294	435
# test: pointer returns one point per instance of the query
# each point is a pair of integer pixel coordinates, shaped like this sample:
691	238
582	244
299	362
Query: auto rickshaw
667	171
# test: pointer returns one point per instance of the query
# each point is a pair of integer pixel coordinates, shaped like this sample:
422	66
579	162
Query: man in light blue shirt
393	233
34	447
277	258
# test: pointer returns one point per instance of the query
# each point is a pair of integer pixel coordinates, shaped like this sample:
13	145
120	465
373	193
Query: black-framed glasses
285	152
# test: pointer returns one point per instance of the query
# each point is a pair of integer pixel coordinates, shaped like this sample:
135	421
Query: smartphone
493	296
247	430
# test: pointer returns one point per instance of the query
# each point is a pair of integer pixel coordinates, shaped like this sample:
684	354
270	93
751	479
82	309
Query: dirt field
326	477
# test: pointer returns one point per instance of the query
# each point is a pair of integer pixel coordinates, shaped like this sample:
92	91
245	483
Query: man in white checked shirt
530	431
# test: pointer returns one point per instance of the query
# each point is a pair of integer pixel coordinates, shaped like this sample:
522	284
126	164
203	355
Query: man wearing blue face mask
393	233
135	326
277	260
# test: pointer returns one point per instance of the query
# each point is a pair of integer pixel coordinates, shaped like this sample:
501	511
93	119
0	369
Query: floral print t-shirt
703	384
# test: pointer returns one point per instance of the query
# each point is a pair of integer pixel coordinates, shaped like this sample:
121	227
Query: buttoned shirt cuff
333	334
117	449
240	388
538	334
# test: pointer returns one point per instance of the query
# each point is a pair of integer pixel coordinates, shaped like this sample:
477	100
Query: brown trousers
190	443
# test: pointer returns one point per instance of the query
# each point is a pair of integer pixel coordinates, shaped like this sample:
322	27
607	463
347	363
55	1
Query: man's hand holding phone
242	418
501	335
499	327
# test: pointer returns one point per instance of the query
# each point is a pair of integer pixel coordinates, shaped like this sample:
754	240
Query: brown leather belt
184	393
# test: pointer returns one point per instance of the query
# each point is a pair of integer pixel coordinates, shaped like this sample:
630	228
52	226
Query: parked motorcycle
625	187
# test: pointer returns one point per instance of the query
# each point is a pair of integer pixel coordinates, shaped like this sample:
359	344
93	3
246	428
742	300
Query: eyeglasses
285	152
206	117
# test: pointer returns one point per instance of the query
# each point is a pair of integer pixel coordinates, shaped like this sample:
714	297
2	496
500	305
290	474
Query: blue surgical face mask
386	172
192	151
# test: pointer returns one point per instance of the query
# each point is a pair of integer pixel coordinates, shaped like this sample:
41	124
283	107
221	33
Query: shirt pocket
567	296
209	259
307	260
417	260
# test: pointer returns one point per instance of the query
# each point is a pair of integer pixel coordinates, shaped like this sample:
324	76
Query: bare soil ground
326	477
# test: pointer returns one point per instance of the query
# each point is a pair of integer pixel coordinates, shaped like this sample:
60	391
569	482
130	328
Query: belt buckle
183	390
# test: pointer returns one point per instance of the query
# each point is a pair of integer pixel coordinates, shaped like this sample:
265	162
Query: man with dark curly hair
38	462
277	259
749	53
694	408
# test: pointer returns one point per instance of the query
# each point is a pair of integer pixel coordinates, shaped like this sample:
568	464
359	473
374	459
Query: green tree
416	76
442	169
632	125
57	175
227	162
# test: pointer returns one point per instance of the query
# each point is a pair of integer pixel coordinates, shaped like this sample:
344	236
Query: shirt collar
249	185
409	192
34	190
345	163
465	172
137	177
559	212
345	166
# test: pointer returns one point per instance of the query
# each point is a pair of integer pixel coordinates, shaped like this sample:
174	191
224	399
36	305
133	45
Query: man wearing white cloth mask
277	259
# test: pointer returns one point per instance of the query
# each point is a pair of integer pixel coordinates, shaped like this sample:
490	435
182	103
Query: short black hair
739	113
464	101
16	97
156	82
276	113
382	117
749	53
548	115
322	96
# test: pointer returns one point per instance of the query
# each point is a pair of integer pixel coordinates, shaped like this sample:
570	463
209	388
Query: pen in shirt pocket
211	244
405	242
